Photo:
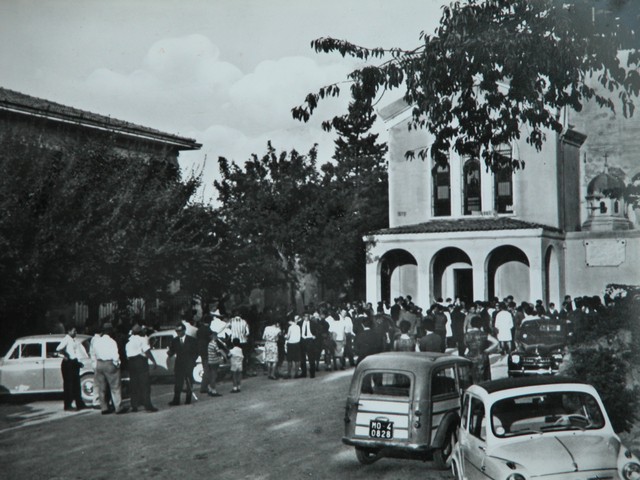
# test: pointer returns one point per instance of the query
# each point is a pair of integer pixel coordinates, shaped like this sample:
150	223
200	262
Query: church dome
606	185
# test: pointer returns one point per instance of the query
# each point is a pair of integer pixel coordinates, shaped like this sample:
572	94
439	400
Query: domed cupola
605	203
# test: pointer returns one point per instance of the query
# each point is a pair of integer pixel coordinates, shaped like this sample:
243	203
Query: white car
159	343
32	365
546	427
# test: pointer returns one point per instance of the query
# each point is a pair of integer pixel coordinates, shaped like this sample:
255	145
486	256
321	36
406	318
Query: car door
472	438
52	367
23	370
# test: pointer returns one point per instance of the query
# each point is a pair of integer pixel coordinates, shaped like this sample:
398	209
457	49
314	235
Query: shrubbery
605	354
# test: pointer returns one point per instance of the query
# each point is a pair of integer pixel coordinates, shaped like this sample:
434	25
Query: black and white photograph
304	239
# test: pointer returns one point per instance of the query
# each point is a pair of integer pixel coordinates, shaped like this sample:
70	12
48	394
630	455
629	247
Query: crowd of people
322	336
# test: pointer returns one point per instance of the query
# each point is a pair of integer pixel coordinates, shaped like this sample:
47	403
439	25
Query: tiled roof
26	104
472	224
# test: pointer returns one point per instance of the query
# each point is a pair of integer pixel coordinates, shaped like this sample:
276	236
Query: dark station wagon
406	405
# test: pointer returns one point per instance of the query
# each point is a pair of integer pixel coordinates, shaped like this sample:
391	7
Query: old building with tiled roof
537	233
28	119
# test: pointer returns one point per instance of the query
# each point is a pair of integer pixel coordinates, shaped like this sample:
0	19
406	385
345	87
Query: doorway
463	284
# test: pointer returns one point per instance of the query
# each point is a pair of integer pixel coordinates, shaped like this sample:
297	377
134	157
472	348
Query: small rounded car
406	405
32	365
540	347
159	343
548	427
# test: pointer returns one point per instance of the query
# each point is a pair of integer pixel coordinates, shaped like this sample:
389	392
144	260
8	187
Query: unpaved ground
285	429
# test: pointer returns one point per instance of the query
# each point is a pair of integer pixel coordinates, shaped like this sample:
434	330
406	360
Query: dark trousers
139	384
182	376
348	349
308	351
71	383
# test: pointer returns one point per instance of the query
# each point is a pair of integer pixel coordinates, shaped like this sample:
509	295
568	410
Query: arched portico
508	273
398	273
451	274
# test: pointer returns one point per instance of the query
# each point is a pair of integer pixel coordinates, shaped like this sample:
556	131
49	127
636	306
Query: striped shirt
239	329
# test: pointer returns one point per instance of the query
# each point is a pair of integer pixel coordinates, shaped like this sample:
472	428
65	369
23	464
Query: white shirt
136	345
191	330
72	347
306	329
339	328
239	329
293	334
105	348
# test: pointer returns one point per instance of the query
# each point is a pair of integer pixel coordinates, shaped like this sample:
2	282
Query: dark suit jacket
313	327
186	353
368	342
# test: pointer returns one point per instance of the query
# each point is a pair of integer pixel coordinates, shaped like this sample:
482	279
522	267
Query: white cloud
182	86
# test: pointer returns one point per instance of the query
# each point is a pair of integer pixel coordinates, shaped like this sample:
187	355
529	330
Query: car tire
443	456
86	388
197	373
366	456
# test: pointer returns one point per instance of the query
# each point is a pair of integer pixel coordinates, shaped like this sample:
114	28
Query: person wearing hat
139	353
185	348
105	351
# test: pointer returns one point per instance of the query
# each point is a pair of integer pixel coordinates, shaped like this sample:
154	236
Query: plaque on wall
605	252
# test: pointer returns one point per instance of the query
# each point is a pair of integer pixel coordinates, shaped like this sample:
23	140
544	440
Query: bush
604	355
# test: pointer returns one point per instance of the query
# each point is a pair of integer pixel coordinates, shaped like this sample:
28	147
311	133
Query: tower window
441	190
471	186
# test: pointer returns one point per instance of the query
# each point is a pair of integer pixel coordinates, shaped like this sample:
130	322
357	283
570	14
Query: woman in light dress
270	337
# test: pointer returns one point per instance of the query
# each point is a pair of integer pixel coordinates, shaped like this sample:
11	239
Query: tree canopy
492	71
93	225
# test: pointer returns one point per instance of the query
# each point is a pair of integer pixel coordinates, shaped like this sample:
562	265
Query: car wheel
198	373
443	456
86	388
365	456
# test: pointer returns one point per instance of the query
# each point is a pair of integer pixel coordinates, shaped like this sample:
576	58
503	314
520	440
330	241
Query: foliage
356	193
602	368
270	208
93	225
605	355
493	71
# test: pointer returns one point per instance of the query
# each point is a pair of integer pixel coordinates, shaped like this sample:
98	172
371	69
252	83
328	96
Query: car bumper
386	445
521	372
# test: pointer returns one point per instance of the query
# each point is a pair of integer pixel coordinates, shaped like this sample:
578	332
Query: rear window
387	384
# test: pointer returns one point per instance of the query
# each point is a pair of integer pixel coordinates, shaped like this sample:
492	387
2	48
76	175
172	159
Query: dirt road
285	429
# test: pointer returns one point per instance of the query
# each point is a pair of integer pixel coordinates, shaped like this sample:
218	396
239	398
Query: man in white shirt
105	351
337	330
138	354
72	351
239	328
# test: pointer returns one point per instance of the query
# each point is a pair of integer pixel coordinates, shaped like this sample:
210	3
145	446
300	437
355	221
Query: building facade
464	232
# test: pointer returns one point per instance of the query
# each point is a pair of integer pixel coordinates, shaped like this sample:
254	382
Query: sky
223	72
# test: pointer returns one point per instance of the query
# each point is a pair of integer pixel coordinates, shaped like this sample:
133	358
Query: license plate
380	429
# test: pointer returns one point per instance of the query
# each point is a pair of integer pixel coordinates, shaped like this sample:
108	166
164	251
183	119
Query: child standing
236	357
215	355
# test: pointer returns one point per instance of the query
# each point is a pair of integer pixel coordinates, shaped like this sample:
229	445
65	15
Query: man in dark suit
309	332
369	341
185	348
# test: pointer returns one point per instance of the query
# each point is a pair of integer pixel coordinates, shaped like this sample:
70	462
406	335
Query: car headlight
516	476
631	471
515	358
557	357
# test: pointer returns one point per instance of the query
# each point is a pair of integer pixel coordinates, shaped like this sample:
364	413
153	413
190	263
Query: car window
443	382
51	349
31	350
154	343
465	411
477	424
550	411
386	383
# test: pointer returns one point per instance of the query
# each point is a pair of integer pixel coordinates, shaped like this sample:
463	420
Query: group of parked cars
424	406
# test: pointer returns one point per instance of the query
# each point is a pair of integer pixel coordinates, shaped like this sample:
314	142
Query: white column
486	183
374	282
479	277
455	169
424	283
536	273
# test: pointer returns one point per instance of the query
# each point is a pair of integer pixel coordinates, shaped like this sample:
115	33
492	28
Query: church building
465	232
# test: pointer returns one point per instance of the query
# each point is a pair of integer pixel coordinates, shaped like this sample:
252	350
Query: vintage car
406	405
159	343
540	347
549	427
32	365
